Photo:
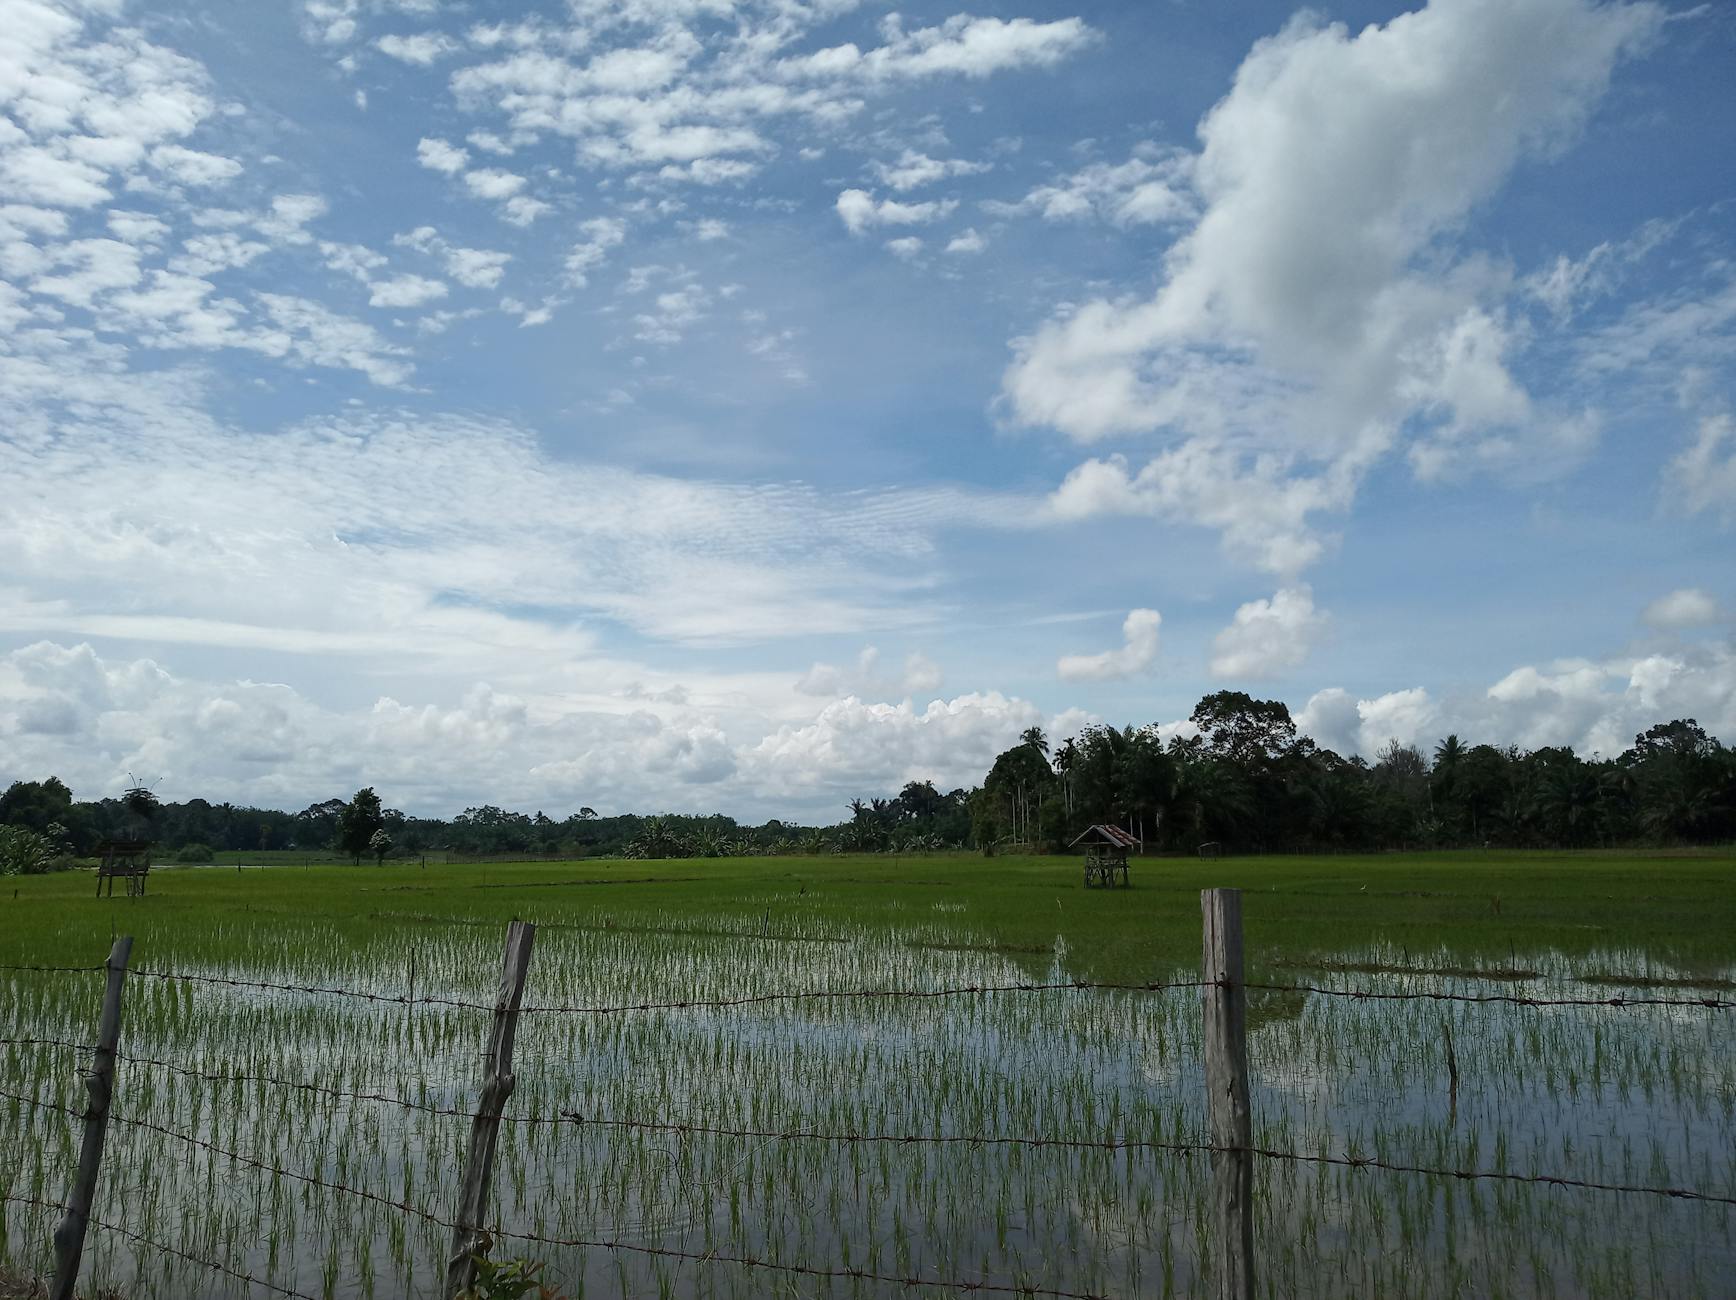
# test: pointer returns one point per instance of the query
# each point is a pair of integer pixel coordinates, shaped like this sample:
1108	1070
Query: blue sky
695	404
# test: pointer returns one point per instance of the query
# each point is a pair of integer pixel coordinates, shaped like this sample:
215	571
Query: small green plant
195	853
508	1279
25	853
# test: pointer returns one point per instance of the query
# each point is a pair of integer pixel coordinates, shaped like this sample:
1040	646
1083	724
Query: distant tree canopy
358	823
1244	779
1248	781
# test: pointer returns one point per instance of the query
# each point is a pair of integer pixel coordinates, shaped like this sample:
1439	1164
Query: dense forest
1244	780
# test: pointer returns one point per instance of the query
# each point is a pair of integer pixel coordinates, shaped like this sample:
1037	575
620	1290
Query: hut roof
1107	835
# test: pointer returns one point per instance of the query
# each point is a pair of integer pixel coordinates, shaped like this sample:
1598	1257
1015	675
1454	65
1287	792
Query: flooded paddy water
1632	1095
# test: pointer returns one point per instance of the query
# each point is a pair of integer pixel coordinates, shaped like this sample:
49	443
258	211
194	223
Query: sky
747	405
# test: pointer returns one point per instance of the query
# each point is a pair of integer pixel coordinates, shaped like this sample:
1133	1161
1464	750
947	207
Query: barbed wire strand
1179	1147
164	1249
1515	999
573	1119
323	990
1620	1000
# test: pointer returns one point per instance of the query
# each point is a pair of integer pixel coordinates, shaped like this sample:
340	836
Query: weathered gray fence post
100	1083
1227	1112
497	1085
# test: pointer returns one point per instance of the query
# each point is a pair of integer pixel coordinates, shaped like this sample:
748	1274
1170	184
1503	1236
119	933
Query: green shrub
195	853
515	1279
25	853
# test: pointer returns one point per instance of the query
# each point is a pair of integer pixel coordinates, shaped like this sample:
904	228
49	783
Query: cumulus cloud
474	268
1317	305
1138	651
1591	706
406	291
1268	637
1684	608
1153	187
89	104
1336	720
423	49
914	169
1262	512
853	746
868	678
964	45
441	156
859	211
94	717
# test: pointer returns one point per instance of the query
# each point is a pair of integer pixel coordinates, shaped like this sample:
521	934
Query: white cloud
914	169
1702	478
88	267
1318	306
474	268
962	45
203	254
854	746
867	678
1590	706
907	247
289	214
673	312
422	49
247	545
405	291
601	235
1139	637
709	171
1261	510
87	103
313	334
859	211
441	156
523	210
1153	187
191	167
1684	608
1268	637
968	242
493	183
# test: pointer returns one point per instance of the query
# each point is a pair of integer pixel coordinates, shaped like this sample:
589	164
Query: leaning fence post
1227	1113
497	1085
100	1083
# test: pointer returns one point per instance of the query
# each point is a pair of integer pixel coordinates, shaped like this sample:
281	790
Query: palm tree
1034	737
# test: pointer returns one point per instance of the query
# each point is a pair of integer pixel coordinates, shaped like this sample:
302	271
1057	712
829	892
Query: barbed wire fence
1228	1149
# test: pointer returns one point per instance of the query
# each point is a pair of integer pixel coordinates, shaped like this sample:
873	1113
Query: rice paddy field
595	1147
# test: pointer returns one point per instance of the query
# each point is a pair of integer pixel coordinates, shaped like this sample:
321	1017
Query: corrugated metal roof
1114	834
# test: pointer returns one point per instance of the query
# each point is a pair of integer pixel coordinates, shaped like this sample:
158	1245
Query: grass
1482	905
1615	1095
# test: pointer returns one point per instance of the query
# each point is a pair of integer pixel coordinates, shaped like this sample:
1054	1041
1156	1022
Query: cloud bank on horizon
751	405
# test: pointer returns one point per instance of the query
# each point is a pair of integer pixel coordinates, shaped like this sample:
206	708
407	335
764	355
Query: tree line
1247	781
1244	780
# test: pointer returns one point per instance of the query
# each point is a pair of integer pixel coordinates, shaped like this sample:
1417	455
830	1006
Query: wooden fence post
497	1085
1227	1112
100	1083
